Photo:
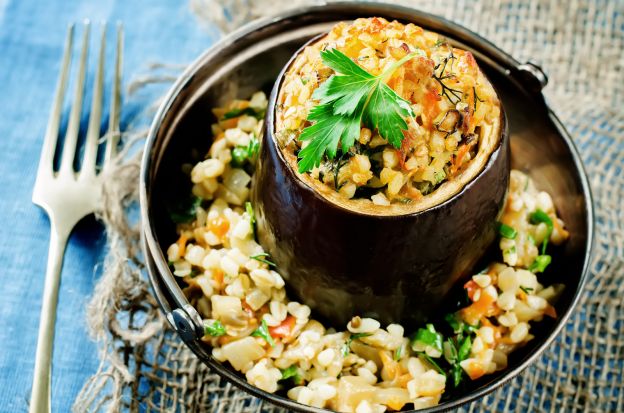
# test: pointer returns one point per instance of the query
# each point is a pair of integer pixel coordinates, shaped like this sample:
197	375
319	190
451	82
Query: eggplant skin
393	268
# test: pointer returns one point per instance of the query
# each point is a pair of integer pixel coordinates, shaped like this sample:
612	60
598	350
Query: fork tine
52	131
71	136
113	124
95	117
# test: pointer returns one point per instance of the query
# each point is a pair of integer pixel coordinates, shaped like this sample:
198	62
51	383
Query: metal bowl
251	58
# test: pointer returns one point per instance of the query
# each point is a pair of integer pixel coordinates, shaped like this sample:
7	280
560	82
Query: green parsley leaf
427	337
347	99
263	259
540	263
216	329
263	331
538	217
347	345
244	154
526	290
464	349
292	372
506	231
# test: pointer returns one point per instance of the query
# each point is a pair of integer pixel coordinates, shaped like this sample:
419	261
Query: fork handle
40	396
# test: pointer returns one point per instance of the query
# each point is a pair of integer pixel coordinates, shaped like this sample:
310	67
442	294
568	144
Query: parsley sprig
346	100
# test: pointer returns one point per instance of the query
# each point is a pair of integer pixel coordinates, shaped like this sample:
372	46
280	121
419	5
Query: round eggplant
395	263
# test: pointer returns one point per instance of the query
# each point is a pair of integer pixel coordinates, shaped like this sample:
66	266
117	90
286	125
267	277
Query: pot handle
185	320
531	76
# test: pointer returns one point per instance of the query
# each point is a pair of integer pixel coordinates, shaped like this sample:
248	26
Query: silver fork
66	195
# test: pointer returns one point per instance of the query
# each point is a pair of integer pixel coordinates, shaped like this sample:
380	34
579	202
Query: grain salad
443	104
363	367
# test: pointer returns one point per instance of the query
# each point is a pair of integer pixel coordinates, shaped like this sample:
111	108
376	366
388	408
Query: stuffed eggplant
383	168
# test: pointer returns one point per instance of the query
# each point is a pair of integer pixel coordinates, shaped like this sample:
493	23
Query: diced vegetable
540	216
263	331
540	263
243	154
506	231
215	329
427	337
292	372
285	329
241	352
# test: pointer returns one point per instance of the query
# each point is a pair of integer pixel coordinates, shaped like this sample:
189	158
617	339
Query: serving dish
251	59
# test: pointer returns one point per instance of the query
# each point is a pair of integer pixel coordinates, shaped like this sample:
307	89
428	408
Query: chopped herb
304	80
441	41
263	258
244	154
185	211
506	231
252	218
464	349
432	363
349	98
527	290
459	326
531	239
398	353
427	337
476	99
458	374
511	250
292	372
234	113
538	217
216	329
347	345
194	273
263	331
453	95
526	184
540	263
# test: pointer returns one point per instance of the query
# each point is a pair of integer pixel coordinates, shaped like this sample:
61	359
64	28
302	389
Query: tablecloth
31	44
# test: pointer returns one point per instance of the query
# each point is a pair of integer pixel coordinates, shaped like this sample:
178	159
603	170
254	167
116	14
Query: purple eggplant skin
343	263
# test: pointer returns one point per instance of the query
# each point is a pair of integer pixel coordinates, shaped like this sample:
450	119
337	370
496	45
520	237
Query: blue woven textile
31	42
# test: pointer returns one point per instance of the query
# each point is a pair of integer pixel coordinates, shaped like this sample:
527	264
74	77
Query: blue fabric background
31	42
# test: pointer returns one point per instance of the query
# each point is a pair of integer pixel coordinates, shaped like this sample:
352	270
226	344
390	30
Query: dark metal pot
252	58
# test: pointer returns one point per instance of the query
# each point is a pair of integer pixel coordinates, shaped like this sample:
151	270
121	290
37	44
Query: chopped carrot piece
285	329
550	311
182	244
471	287
217	275
475	370
219	226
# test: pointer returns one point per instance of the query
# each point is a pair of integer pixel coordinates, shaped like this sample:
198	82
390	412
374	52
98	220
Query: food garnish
347	99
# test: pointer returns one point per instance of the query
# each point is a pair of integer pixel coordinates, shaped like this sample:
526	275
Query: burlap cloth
580	44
